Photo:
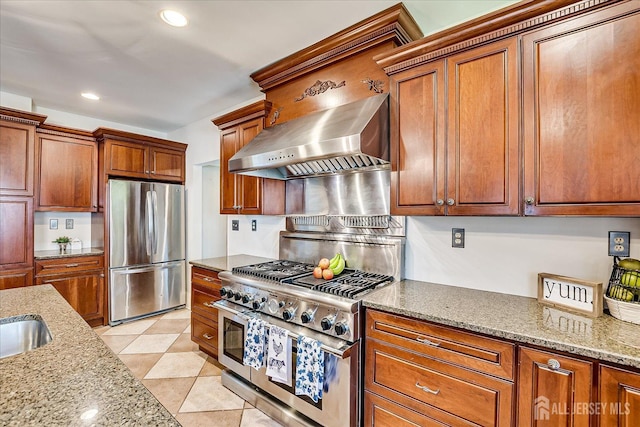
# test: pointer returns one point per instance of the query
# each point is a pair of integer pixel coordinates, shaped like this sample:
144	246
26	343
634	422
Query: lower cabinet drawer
204	332
380	412
432	387
202	304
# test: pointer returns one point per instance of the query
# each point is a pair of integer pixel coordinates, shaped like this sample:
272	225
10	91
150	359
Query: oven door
232	331
340	404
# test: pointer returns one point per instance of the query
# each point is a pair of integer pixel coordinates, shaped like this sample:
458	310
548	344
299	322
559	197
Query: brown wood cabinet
80	280
433	371
619	396
581	110
240	194
67	173
17	148
137	156
16	229
455	138
205	290
553	389
10	279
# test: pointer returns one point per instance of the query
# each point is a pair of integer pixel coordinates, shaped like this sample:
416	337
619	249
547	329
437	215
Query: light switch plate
254	225
235	225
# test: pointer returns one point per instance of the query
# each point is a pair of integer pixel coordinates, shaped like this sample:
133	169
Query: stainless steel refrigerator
146	249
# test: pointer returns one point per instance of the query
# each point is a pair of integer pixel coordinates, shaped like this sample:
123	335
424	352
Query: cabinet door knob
153	172
553	364
529	200
146	171
439	202
427	389
451	202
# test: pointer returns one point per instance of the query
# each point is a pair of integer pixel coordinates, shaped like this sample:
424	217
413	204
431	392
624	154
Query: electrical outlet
619	243
68	224
457	237
254	225
235	225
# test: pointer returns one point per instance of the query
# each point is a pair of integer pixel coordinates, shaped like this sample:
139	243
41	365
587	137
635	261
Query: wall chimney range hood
351	137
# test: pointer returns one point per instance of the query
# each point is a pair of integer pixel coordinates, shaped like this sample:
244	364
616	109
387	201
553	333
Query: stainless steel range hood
350	137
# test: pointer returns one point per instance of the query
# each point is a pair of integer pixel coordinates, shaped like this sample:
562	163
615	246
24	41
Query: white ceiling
154	76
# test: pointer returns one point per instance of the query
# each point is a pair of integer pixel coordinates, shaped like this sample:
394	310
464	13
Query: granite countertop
516	318
225	263
76	372
72	253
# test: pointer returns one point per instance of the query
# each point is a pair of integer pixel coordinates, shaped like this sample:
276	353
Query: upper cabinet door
68	174
229	145
418	140
17	158
167	164
126	159
483	136
251	193
582	115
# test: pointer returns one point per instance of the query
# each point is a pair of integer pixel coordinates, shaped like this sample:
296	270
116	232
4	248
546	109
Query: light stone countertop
57	383
51	254
521	319
226	263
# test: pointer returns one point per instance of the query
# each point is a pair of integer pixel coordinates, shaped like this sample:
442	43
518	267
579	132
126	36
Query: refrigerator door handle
154	217
137	270
149	225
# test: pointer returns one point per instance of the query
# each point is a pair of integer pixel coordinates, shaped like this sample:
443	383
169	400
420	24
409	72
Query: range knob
230	294
341	328
288	314
237	296
257	305
327	322
306	316
223	291
246	298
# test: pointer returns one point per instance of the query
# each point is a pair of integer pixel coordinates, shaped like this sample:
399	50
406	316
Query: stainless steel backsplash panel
371	253
349	194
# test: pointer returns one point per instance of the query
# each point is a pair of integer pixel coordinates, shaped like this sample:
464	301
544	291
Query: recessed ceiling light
90	95
173	18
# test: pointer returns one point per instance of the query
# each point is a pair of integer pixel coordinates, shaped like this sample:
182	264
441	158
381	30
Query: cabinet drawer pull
208	279
208	304
427	389
553	364
426	341
72	265
207	336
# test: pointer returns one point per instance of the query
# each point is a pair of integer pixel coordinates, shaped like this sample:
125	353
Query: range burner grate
274	270
354	285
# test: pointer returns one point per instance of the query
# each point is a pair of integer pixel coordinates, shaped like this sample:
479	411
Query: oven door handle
341	348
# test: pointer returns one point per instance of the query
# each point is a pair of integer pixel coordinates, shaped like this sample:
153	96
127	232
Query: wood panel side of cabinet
418	140
483	160
16	231
17	158
552	389
581	109
10	279
67	174
619	397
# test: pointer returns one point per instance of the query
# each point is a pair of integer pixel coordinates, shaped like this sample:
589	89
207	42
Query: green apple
630	278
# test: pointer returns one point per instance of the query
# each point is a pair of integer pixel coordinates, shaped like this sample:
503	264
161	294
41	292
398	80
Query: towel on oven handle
309	368
254	344
279	354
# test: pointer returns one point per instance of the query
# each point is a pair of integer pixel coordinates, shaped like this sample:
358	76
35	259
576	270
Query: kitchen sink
19	334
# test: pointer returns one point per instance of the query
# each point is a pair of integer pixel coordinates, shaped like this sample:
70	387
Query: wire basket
623	294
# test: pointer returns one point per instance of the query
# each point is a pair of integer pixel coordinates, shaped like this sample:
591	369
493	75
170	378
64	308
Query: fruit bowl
623	294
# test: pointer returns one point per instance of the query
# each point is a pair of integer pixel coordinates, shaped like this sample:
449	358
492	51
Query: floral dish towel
254	345
309	368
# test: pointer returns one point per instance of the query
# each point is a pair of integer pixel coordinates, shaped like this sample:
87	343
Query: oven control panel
290	308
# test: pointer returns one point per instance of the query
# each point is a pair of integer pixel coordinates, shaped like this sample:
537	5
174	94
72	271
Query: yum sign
571	294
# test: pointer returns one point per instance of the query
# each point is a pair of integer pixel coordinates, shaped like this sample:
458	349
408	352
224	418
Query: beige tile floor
160	353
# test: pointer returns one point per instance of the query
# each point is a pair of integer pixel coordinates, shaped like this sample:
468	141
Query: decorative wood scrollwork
276	116
374	85
319	87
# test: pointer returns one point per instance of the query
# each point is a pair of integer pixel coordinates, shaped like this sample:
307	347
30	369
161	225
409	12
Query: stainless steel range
285	293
